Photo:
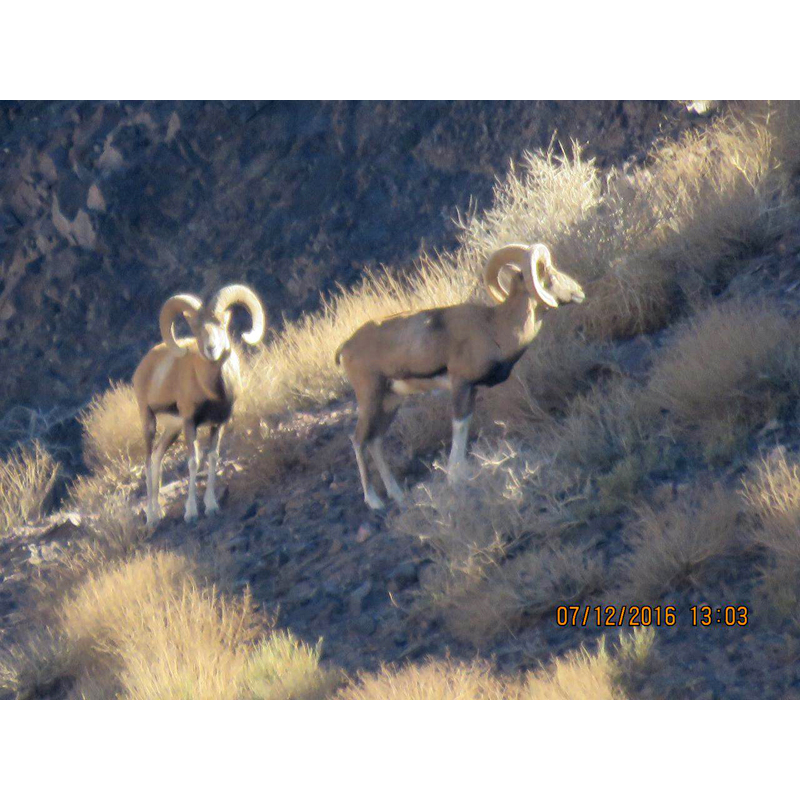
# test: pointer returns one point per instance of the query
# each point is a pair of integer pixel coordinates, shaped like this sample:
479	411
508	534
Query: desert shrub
40	667
580	675
148	628
734	366
610	442
283	668
117	528
682	541
772	496
27	477
498	542
112	430
577	675
432	680
159	633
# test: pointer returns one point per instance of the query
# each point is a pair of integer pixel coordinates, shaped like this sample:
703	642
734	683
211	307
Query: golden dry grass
148	629
283	668
112	430
579	675
432	680
679	543
27	477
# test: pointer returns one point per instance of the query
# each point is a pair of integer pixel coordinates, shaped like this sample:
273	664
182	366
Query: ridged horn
517	255
236	294
177	304
540	255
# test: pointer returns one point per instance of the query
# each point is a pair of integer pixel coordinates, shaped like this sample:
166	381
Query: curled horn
178	304
541	255
236	294
514	255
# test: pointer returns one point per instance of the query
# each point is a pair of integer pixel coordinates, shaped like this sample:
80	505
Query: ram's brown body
190	383
467	343
188	386
457	347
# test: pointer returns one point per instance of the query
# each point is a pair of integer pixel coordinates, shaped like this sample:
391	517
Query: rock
403	574
772	426
365	625
250	512
427	575
302	592
364	532
356	598
336	547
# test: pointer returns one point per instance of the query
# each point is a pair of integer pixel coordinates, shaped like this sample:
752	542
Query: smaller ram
458	347
192	382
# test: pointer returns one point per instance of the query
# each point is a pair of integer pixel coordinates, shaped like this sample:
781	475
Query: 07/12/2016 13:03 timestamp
633	616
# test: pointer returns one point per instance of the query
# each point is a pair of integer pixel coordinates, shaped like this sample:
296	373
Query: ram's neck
219	381
516	323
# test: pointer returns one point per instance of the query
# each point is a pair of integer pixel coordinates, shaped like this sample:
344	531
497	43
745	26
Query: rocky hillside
107	208
641	467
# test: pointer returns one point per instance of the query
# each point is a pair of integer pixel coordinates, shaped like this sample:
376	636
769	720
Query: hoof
190	516
374	502
398	496
212	509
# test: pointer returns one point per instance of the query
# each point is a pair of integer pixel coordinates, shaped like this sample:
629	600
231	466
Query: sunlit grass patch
27	477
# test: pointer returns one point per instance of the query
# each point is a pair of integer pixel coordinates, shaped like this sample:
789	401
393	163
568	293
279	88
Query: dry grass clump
156	632
112	430
610	443
498	540
732	367
27	478
148	629
283	668
679	543
578	675
113	448
39	668
432	680
773	498
117	528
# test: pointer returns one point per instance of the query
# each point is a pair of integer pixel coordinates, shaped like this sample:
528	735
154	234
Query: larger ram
459	347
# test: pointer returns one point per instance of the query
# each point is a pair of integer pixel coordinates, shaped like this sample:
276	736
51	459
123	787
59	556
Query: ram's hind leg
210	497
370	420
171	432
389	407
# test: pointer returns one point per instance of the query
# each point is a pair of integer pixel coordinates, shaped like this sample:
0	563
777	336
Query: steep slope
107	208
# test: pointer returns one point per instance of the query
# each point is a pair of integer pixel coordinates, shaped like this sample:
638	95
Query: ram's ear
541	271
